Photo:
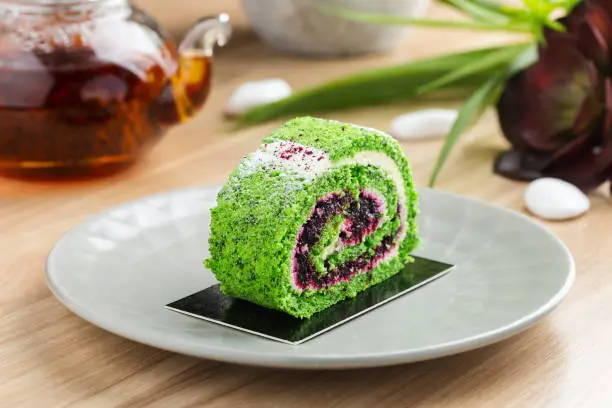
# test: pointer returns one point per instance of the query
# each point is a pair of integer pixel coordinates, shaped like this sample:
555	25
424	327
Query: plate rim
292	361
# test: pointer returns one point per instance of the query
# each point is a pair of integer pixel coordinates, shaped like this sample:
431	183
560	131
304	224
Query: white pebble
555	199
423	124
254	93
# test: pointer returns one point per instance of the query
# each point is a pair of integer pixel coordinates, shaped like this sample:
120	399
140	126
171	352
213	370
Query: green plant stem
495	59
478	11
470	112
432	23
479	101
377	86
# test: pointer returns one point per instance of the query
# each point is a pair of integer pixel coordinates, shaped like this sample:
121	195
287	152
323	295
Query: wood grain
51	358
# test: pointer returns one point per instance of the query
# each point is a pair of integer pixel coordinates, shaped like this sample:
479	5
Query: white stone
555	199
255	93
423	124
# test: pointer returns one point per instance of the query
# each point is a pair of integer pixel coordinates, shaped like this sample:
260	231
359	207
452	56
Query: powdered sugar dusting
308	161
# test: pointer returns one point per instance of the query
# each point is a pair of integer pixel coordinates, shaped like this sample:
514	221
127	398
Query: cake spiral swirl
319	212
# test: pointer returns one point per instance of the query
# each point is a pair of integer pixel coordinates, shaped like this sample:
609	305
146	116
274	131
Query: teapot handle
205	33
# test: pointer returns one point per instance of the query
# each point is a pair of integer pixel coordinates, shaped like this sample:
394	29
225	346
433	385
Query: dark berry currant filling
362	217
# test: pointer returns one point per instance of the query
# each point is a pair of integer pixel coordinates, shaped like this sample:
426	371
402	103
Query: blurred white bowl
295	26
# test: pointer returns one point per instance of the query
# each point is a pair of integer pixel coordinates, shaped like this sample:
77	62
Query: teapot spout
205	33
188	89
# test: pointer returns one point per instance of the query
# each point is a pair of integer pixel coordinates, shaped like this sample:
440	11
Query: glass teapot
87	86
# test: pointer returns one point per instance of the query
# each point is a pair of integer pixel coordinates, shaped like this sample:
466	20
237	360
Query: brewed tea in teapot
86	87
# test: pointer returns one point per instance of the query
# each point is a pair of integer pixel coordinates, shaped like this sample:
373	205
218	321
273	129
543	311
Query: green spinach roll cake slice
320	212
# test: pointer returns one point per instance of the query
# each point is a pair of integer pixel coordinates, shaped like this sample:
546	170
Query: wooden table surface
51	358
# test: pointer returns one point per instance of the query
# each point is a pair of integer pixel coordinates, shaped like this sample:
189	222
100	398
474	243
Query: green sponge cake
318	213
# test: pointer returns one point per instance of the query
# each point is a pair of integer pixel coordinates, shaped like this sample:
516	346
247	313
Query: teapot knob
205	33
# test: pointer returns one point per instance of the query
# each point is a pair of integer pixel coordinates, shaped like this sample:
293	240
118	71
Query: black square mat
213	306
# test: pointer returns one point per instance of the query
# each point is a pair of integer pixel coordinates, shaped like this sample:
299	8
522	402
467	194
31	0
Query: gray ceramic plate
119	268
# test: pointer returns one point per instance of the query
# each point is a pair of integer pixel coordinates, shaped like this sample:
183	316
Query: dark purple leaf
593	46
591	108
573	20
557	113
576	145
587	171
599	18
520	165
606	5
608	109
544	100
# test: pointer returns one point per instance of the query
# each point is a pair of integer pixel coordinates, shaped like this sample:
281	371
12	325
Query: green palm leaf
377	86
497	58
374	18
470	112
